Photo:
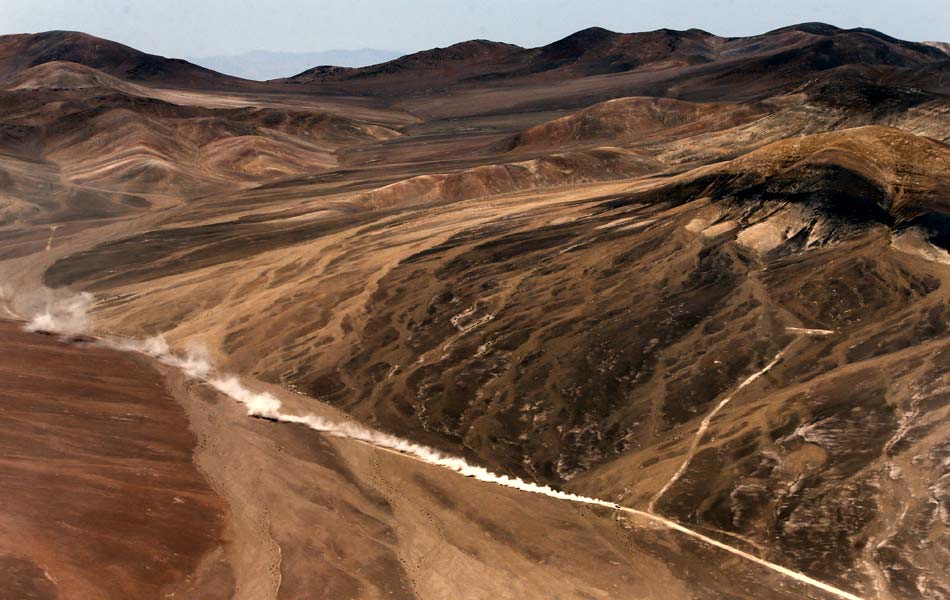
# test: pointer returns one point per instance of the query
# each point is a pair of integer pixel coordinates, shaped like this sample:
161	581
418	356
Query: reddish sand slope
95	469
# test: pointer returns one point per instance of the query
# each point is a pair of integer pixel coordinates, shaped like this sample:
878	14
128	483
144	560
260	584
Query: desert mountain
788	54
701	279
23	51
262	65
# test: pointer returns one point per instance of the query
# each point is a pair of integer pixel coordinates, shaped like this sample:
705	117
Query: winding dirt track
705	425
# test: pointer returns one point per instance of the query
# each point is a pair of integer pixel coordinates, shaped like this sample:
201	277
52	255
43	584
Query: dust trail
47	310
195	365
697	438
267	406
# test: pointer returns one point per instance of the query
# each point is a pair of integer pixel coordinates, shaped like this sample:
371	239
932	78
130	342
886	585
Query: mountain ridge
22	51
265	65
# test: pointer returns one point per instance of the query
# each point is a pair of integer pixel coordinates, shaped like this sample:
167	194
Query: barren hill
24	51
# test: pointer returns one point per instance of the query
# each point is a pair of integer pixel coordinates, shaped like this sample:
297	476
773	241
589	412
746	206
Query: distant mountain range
262	65
692	65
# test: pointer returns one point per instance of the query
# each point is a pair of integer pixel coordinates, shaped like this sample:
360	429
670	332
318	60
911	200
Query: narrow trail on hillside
698	436
52	232
704	425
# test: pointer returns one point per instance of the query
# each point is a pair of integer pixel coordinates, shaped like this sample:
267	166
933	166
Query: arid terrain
702	281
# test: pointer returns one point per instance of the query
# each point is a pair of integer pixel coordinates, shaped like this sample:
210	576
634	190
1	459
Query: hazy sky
207	27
